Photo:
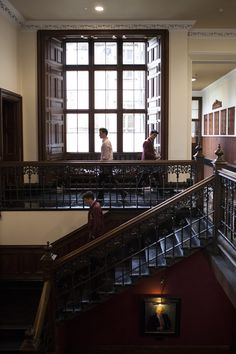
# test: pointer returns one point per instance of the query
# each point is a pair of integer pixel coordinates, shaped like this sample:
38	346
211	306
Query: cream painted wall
9	56
179	97
223	90
212	48
28	81
215	50
36	228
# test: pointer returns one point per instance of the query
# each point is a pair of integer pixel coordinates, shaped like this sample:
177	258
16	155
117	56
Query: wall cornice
107	25
14	16
208	33
11	13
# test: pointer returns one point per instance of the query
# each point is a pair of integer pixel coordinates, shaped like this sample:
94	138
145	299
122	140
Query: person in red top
95	216
149	153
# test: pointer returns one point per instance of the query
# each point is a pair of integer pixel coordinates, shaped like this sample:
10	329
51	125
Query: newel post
32	339
47	263
199	158
218	164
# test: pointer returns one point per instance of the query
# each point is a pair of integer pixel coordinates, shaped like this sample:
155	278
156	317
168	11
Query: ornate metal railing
158	237
227	210
124	184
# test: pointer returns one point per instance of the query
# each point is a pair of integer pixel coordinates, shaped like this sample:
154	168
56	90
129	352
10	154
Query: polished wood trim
40	316
161	349
20	262
227	143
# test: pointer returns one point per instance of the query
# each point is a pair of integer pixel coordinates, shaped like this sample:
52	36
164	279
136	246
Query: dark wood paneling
223	122
231	120
20	262
11	136
211	124
51	100
228	144
205	131
216	123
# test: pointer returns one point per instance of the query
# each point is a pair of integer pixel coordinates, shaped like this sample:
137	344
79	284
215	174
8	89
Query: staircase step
171	247
122	276
202	227
11	338
187	237
18	305
154	256
139	266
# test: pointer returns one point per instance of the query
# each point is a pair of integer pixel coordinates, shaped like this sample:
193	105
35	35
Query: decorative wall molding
14	16
107	25
11	13
212	33
216	104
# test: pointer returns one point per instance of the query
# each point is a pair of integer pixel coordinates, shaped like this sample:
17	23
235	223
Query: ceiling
205	14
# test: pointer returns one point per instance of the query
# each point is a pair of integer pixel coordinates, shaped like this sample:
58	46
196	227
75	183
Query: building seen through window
109	89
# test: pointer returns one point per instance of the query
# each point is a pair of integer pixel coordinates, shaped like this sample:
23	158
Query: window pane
105	53
105	95
194	114
77	89
128	99
134	89
195	104
77	53
77	137
133	132
134	53
100	99
108	121
105	89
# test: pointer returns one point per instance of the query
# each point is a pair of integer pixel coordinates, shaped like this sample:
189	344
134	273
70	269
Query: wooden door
156	107
51	99
11	138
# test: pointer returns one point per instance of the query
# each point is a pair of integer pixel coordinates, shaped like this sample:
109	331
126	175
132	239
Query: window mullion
91	97
119	97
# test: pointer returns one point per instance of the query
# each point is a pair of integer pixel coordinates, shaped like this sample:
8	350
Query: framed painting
161	315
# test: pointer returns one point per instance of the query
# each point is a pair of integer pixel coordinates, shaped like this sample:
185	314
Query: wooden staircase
18	306
101	275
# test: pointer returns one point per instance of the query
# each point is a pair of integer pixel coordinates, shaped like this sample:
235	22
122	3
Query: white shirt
106	150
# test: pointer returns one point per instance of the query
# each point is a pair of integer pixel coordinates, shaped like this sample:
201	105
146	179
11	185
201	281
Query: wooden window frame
58	151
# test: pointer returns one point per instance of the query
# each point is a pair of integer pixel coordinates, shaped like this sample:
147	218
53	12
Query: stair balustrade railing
48	185
155	239
197	217
226	226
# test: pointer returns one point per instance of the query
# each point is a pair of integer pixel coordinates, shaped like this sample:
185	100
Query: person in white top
106	148
106	175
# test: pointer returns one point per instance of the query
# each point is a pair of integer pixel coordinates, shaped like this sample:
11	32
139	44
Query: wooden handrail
228	174
96	162
41	312
33	335
131	223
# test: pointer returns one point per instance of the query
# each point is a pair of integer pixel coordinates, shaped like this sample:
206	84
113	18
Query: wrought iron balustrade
153	240
60	185
227	213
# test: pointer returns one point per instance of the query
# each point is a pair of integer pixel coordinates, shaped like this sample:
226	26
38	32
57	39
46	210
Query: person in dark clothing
95	216
149	153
